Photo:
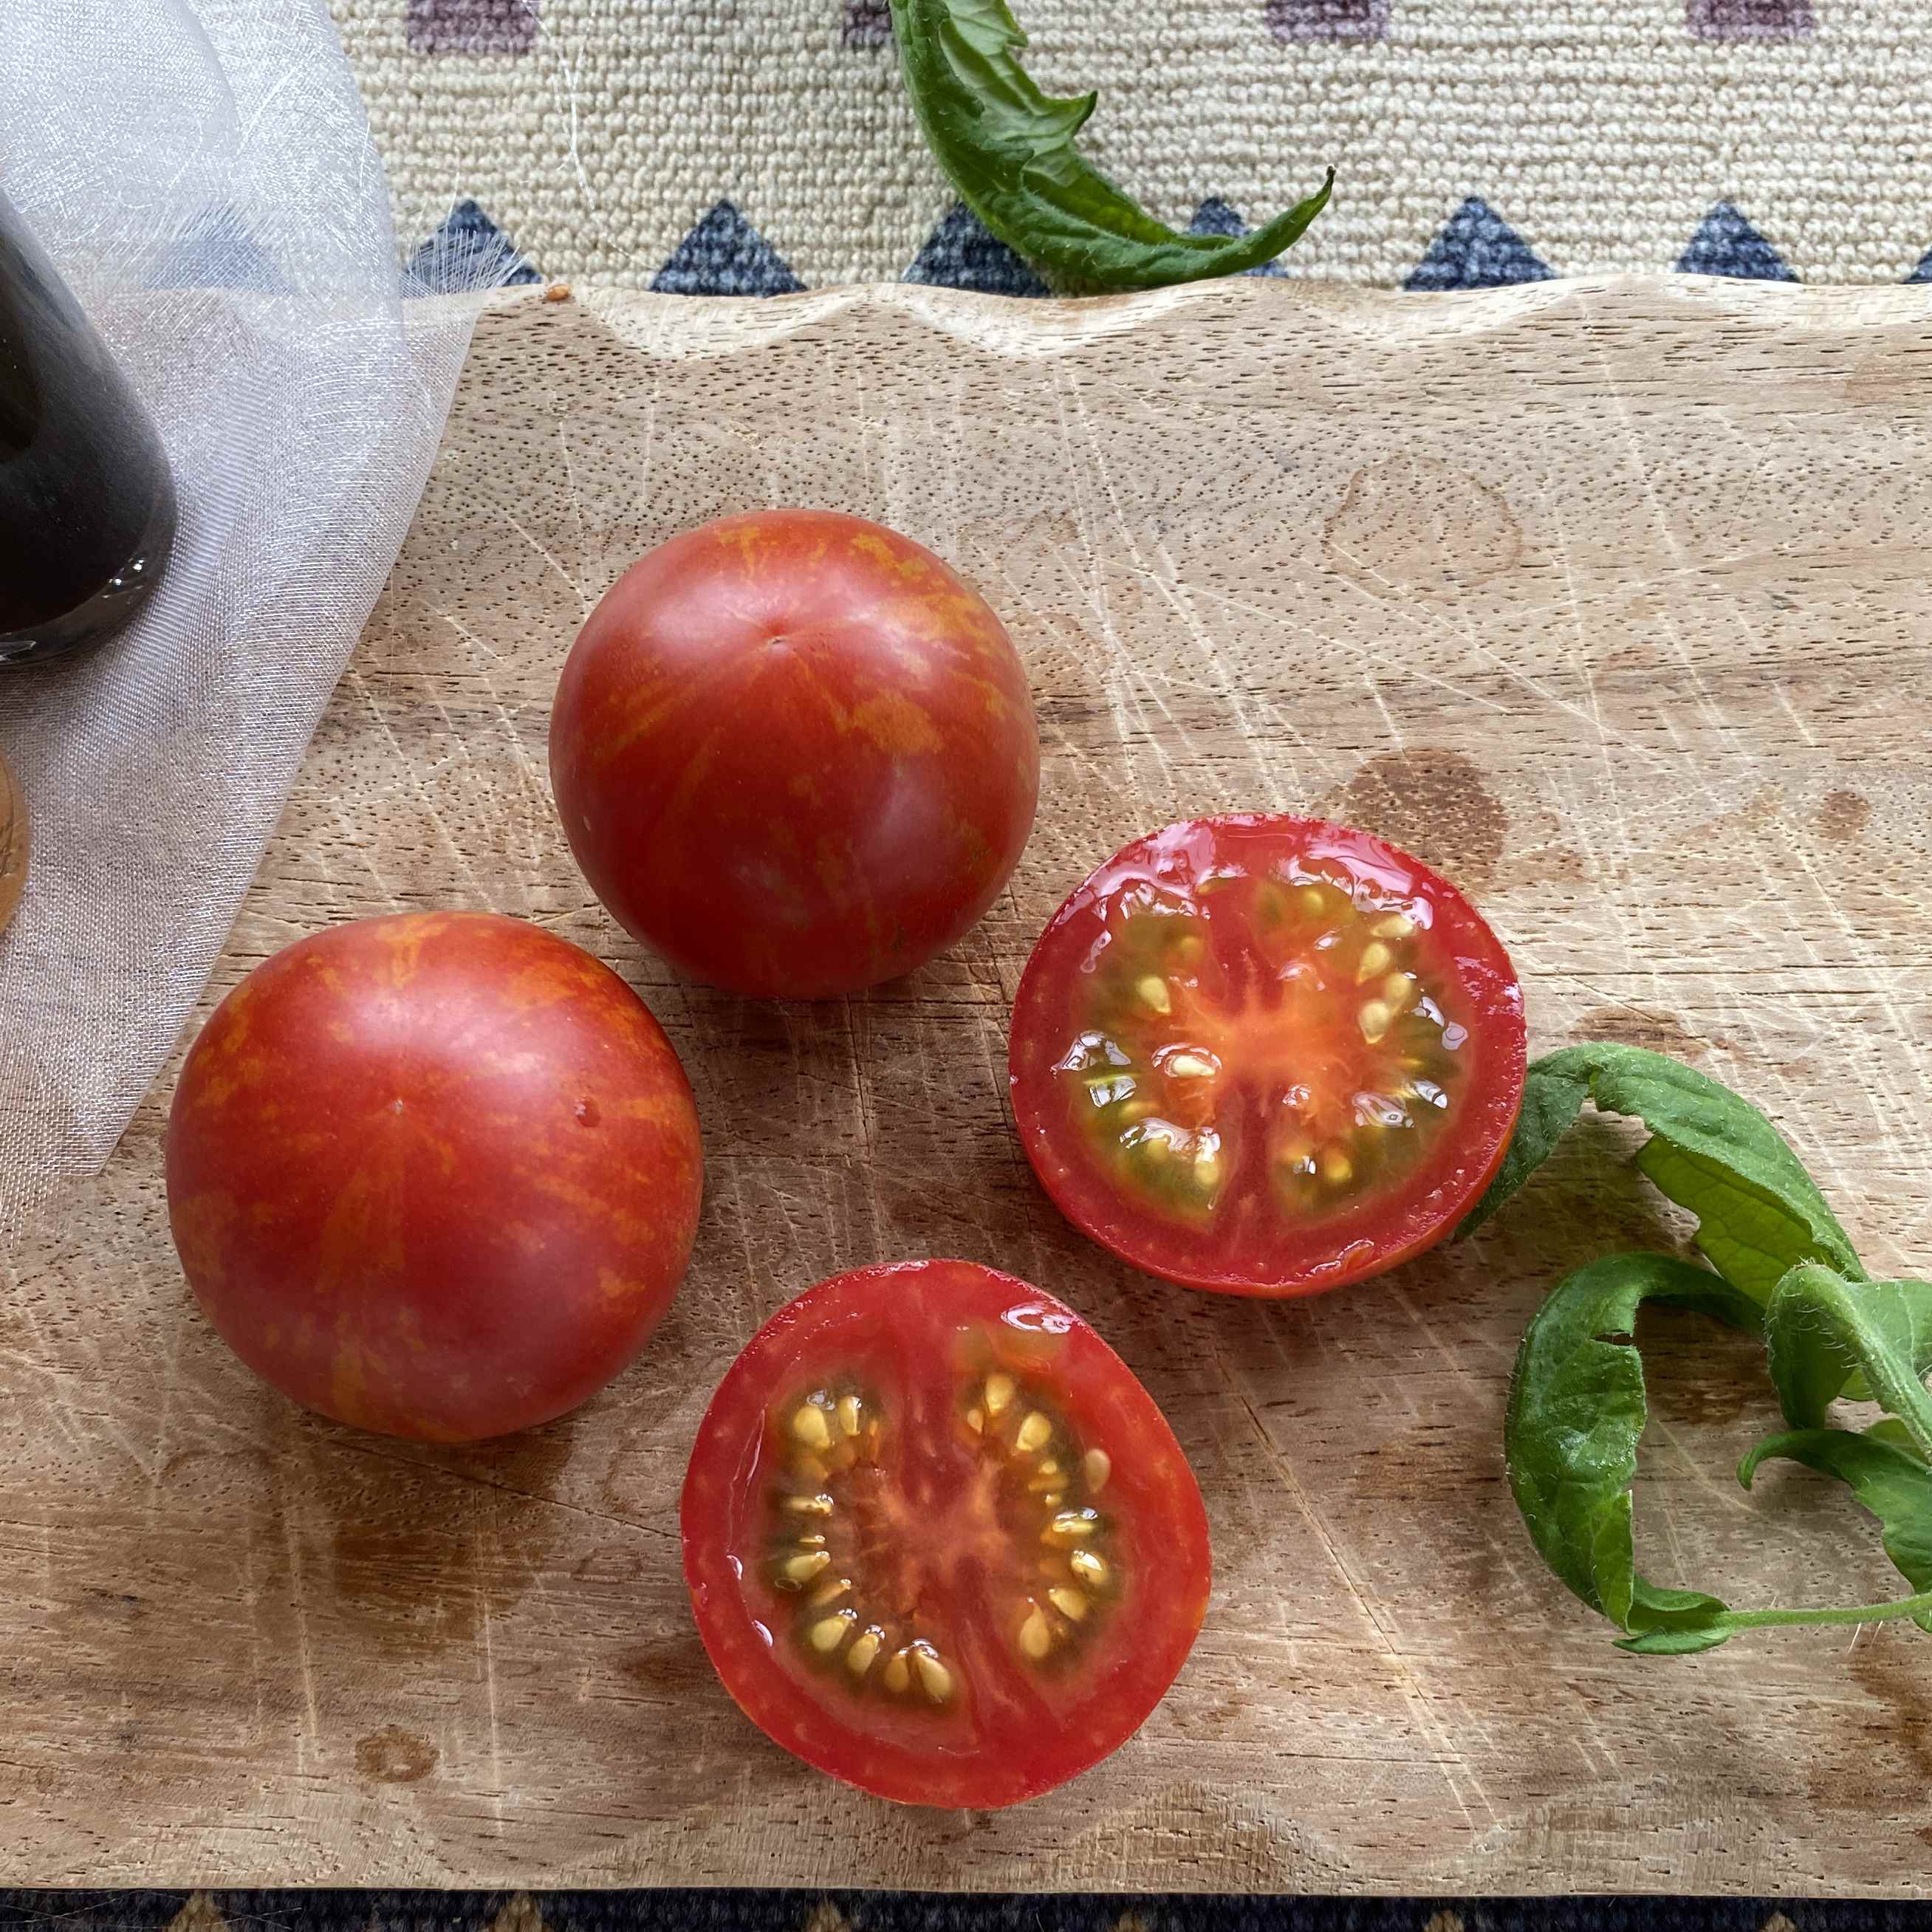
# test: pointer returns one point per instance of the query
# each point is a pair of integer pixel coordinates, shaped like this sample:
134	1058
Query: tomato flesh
1266	1054
940	1542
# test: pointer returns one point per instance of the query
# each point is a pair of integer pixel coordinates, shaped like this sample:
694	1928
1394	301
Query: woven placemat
754	146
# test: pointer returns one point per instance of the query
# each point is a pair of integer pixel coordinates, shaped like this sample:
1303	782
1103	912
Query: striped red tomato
794	754
436	1174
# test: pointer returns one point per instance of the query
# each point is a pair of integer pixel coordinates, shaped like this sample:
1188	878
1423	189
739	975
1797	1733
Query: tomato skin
436	1174
794	754
906	1311
1379	1233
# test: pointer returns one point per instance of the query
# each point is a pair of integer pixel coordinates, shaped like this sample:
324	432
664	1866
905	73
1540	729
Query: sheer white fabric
202	173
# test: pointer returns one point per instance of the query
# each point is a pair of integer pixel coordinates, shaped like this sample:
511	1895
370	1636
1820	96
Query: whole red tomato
794	754
437	1175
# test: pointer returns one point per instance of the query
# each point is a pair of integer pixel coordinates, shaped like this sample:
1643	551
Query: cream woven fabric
598	133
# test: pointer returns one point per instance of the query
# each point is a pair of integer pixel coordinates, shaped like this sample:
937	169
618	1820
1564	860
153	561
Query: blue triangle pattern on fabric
1726	244
1923	273
467	253
724	255
868	23
217	253
1477	249
959	254
1215	217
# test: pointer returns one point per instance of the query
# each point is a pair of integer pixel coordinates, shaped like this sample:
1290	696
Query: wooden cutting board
13	845
1609	599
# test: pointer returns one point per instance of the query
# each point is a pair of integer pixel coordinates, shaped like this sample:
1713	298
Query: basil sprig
1010	149
1577	1409
1759	1212
1780	1265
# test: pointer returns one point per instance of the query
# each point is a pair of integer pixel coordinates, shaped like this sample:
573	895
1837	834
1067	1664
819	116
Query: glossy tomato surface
794	754
1266	1054
940	1542
436	1174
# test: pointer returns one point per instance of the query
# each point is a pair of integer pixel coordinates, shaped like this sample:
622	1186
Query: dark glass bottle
87	507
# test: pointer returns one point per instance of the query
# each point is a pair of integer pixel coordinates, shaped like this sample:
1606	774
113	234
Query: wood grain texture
1608	599
12	844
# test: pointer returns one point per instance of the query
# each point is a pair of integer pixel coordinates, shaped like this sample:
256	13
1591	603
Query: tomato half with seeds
1265	1055
940	1542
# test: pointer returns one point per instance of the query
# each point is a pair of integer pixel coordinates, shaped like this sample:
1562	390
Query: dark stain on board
423	1540
1843	815
1435	804
1635	1026
392	1755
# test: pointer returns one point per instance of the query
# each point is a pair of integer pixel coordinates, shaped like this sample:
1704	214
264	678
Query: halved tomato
940	1542
1267	1055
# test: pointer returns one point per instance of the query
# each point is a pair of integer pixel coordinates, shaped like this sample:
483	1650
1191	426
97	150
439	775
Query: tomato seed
934	1677
795	1572
1036	1638
1089	1567
832	1430
1070	1526
827	1635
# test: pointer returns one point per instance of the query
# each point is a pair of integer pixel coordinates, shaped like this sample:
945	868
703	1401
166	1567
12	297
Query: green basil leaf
1010	150
1577	1411
1825	1332
1674	1642
1759	1212
1891	1482
1890	1430
1554	1090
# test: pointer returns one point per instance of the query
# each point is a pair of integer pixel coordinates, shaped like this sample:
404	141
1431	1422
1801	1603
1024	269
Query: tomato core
1314	1059
902	1559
